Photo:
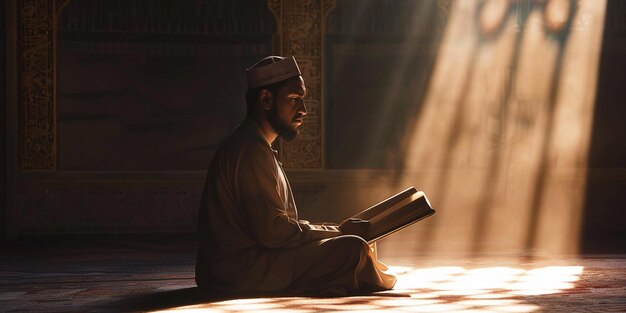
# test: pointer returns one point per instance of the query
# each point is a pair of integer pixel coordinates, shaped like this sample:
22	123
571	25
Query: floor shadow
163	300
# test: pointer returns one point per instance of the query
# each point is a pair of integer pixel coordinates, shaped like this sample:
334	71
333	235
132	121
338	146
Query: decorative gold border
36	83
36	58
301	26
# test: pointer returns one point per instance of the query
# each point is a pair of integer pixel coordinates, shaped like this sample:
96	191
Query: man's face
288	109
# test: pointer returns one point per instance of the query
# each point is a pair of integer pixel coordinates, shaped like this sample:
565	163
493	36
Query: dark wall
153	85
365	61
3	117
361	38
605	215
372	88
144	92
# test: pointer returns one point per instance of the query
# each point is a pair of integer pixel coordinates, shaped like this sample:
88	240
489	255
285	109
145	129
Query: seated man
250	237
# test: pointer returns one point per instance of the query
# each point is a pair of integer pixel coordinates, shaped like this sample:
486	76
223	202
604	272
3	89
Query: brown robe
250	237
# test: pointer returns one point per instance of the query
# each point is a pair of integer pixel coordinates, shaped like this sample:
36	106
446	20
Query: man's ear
265	98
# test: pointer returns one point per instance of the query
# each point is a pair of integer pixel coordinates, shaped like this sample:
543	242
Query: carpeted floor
126	276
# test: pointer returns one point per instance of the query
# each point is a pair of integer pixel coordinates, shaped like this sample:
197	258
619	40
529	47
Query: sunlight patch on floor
459	281
435	289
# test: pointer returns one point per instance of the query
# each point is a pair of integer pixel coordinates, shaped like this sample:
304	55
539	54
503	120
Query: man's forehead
297	86
301	89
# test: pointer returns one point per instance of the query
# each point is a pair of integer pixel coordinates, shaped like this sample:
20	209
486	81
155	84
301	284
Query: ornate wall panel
300	32
36	94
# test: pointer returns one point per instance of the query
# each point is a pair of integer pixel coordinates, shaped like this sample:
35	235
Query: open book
395	213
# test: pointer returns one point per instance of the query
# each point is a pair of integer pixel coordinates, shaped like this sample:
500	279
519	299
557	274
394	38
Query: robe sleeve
319	226
263	206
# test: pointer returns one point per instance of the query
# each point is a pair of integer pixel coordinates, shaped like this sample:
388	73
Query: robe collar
252	125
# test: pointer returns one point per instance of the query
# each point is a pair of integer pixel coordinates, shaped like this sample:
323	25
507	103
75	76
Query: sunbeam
502	139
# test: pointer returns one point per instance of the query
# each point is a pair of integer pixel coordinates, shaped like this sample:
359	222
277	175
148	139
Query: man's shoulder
245	141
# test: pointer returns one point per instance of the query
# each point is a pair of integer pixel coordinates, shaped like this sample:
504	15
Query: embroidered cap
271	70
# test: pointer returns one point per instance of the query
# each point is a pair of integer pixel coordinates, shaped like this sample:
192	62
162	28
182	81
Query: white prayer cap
271	70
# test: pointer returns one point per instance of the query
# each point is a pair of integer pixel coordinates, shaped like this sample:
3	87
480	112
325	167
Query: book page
382	206
398	217
392	209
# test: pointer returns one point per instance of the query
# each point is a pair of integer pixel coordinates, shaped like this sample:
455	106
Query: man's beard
284	130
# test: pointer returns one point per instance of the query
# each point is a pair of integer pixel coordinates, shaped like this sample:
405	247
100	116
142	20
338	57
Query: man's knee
351	248
352	241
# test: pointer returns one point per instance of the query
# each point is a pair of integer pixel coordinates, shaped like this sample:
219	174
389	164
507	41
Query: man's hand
354	226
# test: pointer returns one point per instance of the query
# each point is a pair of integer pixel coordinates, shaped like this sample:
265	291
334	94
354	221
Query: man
250	237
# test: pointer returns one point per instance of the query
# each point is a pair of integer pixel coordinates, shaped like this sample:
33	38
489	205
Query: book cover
395	213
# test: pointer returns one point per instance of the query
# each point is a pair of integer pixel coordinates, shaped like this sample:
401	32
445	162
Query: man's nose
302	109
